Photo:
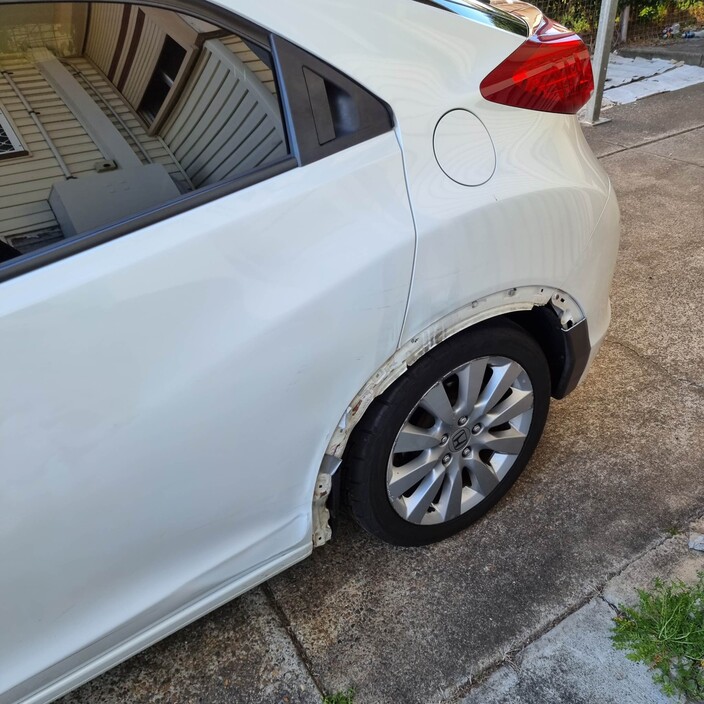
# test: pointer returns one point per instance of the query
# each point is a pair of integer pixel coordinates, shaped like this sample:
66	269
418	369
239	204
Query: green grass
665	631
340	698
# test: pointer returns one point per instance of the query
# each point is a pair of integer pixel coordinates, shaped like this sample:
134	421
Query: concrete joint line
608	603
694	517
672	158
300	650
649	361
513	657
651	141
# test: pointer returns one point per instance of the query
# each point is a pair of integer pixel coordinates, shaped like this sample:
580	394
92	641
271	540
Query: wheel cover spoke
437	402
484	478
420	500
450	503
518	402
413	439
471	377
480	416
507	442
501	380
405	477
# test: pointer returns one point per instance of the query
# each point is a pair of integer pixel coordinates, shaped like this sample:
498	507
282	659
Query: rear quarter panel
531	222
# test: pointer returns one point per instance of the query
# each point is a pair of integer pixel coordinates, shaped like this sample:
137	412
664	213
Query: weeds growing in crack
509	658
665	631
340	698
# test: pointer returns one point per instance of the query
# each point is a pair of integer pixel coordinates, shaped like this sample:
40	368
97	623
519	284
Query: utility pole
604	37
625	18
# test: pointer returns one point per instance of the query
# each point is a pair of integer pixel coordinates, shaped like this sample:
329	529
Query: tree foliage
583	15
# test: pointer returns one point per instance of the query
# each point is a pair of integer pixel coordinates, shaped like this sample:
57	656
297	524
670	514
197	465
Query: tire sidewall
390	411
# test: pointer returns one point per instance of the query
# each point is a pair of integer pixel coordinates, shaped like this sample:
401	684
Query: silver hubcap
460	441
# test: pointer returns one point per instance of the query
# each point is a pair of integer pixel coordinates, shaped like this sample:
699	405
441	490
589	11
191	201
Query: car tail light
550	72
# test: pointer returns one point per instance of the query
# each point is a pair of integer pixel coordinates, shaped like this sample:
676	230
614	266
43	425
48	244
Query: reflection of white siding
25	182
226	123
103	32
93	79
148	50
251	61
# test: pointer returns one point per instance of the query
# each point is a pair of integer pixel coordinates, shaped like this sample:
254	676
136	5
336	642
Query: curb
672	53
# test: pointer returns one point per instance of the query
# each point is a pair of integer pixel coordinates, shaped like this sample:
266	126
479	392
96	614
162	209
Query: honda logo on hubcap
459	440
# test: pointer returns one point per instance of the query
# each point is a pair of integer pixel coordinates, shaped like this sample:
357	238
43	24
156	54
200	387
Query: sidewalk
574	662
619	468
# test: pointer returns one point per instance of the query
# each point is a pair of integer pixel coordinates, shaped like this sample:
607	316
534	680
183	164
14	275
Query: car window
111	111
485	12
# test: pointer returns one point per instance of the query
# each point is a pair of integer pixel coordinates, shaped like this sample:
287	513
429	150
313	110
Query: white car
260	259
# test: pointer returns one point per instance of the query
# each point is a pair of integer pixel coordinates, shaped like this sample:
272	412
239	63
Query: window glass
115	109
163	78
10	144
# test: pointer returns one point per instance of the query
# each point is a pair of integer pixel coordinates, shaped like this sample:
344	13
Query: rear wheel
440	447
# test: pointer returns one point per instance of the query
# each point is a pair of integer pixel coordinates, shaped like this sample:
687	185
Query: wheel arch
549	315
544	312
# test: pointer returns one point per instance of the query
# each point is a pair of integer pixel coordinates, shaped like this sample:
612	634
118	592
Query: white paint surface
161	437
463	148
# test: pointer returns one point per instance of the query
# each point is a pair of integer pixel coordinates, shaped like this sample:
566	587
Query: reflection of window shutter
131	51
124	24
162	81
226	122
107	34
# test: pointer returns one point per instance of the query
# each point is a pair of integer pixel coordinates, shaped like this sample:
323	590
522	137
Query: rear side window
484	13
112	111
114	116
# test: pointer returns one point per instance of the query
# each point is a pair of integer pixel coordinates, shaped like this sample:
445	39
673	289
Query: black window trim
301	104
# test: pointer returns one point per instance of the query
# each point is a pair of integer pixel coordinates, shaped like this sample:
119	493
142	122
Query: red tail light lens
550	72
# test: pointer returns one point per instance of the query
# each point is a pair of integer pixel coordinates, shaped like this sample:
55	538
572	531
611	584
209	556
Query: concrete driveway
621	465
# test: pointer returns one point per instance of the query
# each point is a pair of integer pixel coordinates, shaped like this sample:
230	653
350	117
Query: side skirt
155	633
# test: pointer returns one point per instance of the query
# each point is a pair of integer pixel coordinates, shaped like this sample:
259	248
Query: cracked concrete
240	653
574	661
618	470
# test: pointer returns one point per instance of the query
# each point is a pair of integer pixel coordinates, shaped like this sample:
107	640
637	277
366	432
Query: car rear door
168	392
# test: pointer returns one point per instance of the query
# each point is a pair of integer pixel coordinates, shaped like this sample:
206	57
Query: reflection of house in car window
122	108
163	79
10	144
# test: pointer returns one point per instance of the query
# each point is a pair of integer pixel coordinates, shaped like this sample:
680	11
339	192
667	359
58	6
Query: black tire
367	455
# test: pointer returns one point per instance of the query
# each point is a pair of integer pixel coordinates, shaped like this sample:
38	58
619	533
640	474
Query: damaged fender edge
508	301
